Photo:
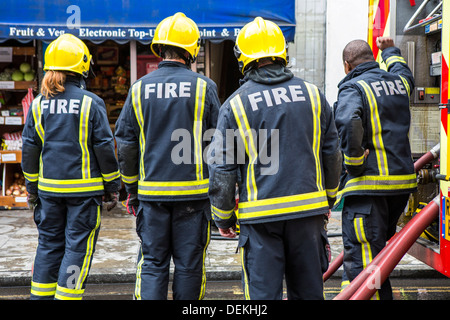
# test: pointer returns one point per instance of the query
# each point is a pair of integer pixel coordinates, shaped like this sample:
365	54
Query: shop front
118	34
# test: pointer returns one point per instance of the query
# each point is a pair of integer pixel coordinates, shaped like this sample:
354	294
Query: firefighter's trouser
291	248
368	222
177	230
68	230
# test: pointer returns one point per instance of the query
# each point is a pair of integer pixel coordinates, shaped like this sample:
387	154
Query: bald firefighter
160	145
373	119
277	140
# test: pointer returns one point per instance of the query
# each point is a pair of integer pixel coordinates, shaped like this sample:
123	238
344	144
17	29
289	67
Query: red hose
395	251
359	280
334	265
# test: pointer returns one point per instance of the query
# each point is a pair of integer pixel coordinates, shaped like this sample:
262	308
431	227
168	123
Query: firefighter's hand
32	200
110	199
228	233
384	42
132	204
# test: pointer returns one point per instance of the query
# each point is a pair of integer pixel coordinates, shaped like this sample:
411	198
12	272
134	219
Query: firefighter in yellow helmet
159	135
290	174
69	164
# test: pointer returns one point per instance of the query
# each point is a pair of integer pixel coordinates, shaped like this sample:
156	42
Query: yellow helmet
179	31
259	39
68	53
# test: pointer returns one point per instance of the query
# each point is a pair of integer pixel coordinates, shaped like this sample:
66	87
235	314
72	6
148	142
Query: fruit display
24	73
17	189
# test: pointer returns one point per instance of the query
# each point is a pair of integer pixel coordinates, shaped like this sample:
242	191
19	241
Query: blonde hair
53	83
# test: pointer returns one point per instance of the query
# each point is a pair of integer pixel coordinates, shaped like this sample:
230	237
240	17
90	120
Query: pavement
116	251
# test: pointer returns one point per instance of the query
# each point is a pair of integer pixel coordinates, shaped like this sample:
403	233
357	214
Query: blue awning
124	20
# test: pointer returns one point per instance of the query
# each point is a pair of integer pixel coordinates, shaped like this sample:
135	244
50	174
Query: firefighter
160	148
373	118
284	197
69	163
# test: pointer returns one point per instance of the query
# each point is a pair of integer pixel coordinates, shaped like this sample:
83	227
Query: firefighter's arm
128	147
222	177
103	145
395	63
31	152
348	119
331	155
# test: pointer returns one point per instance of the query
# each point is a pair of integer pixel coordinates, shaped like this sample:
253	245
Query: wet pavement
114	260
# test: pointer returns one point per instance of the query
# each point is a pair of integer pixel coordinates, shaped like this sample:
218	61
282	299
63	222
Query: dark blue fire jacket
68	146
372	113
162	133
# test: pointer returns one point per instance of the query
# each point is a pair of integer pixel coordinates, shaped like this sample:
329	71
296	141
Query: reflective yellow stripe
316	111
68	294
394	59
198	125
244	272
173	188
377	138
136	98
203	285
222	214
129	179
379	183
37	116
90	245
43	289
32	177
249	142
405	82
366	250
331	193
70	185
354	161
111	176
137	289
84	137
283	205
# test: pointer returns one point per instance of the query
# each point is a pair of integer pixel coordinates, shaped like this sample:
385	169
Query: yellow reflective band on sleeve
68	294
43	289
405	82
70	185
222	214
173	188
84	137
316	111
136	98
129	179
37	116
249	142
354	161
283	205
394	59
32	177
198	127
332	193
377	138
111	176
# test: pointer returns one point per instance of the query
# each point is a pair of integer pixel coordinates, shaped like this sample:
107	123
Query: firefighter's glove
110	200
132	204
32	200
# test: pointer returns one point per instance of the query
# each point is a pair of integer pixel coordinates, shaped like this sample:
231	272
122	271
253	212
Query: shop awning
124	20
